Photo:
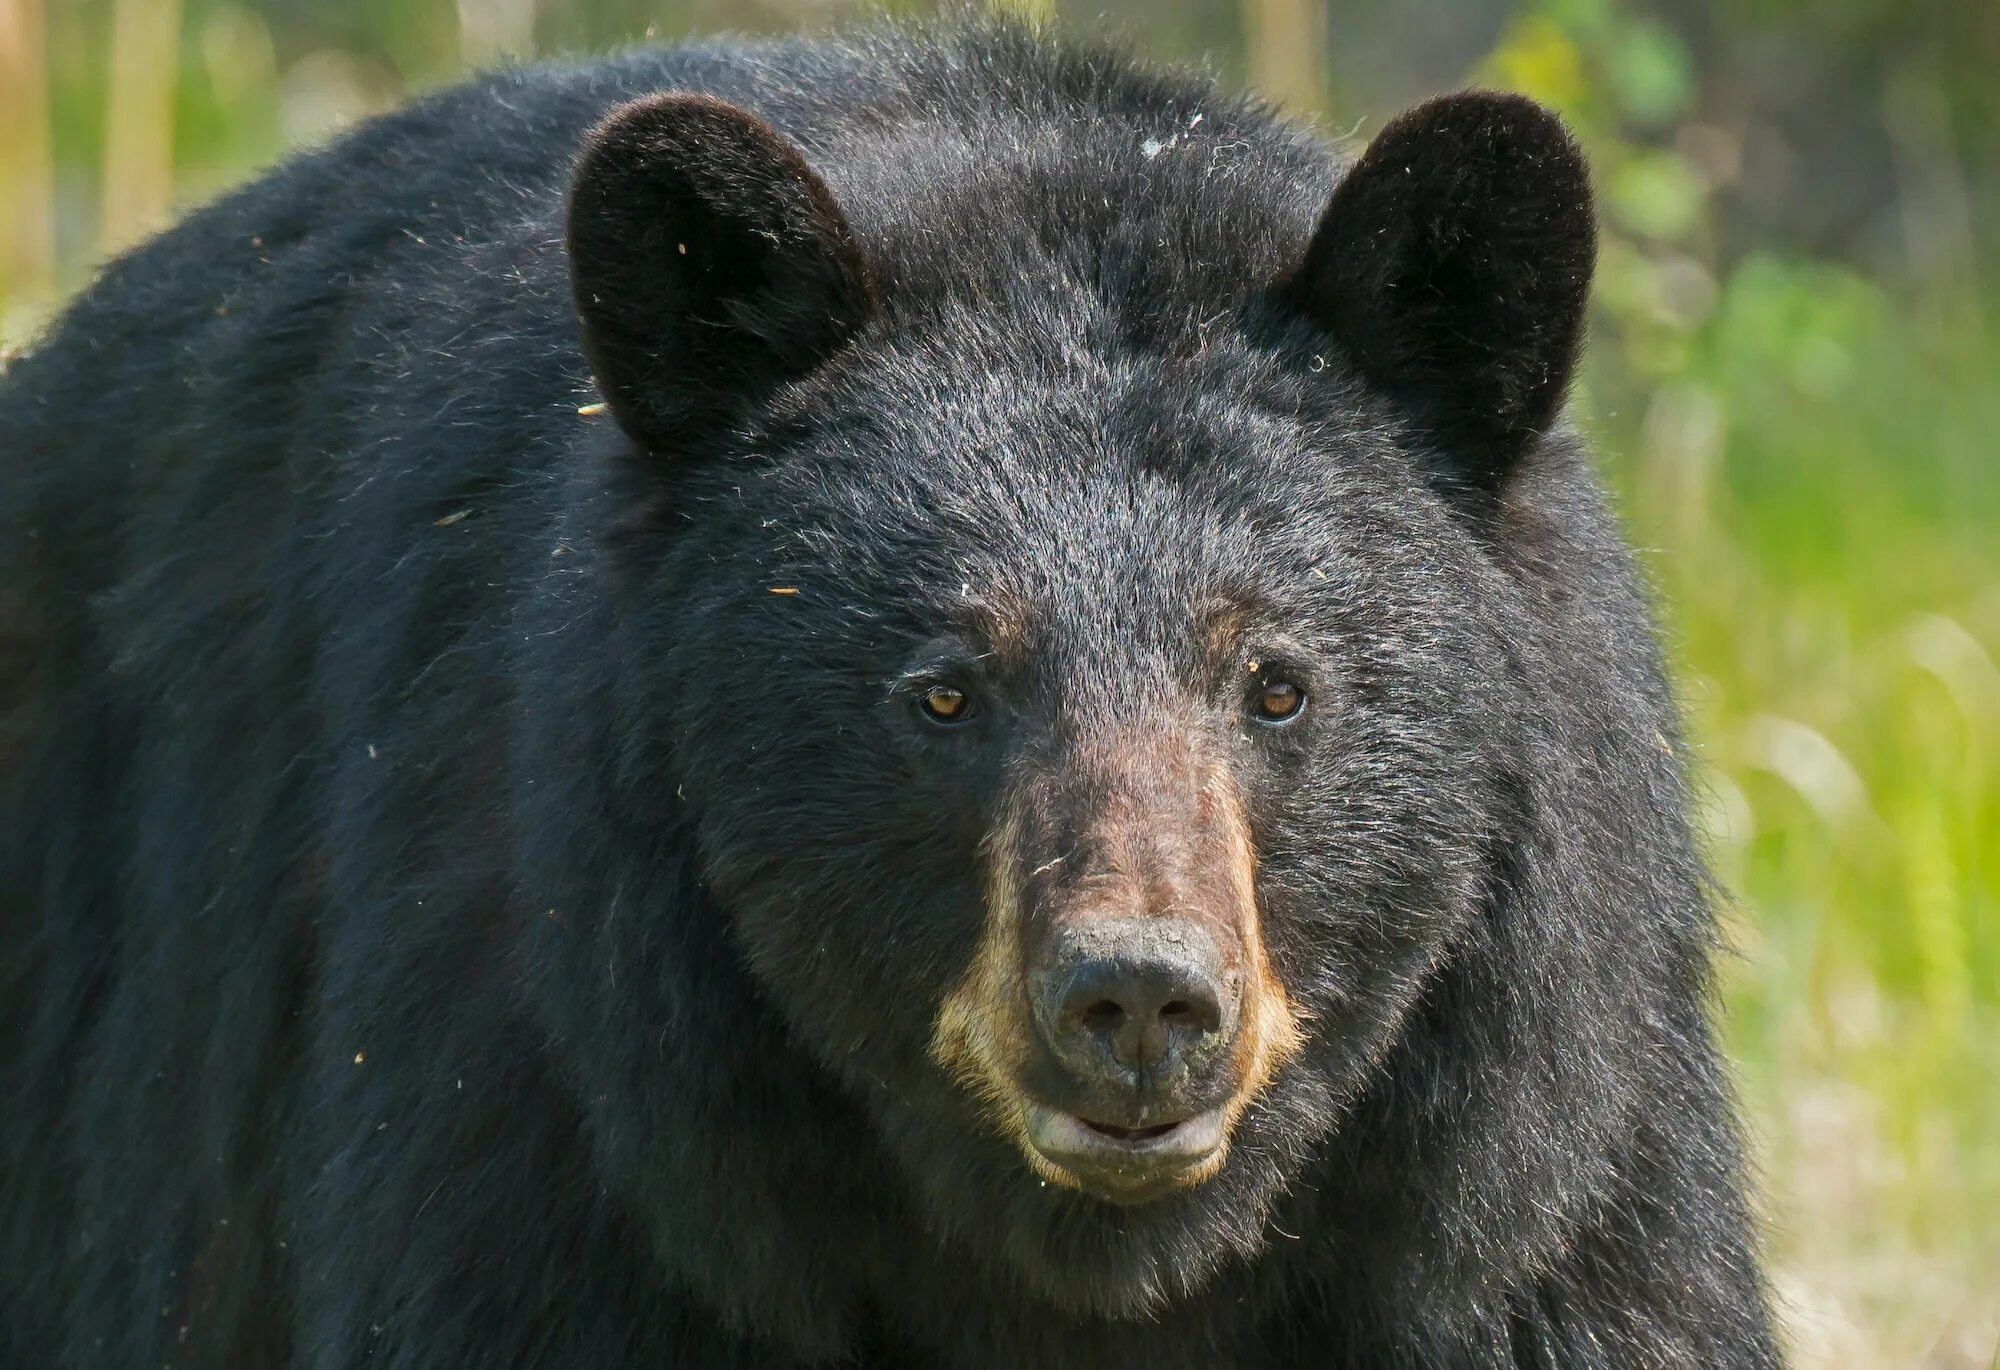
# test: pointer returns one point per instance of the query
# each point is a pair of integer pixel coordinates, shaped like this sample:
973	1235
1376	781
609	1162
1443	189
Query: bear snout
1120	1013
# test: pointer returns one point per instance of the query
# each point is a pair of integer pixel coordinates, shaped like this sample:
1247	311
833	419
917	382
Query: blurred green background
1795	373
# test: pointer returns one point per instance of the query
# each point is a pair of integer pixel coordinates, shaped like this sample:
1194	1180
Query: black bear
919	699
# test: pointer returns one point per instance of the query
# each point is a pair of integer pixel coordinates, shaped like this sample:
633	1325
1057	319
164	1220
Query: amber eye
1280	702
943	704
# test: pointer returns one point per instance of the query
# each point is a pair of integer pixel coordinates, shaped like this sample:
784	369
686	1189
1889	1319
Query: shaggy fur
475	890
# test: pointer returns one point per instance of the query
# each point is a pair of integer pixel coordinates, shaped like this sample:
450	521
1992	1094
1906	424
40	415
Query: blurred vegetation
1796	376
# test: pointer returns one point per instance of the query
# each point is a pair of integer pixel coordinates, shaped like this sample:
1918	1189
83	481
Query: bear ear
1453	264
708	263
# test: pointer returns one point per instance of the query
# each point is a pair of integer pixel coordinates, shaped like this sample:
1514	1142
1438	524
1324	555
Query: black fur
707	261
1454	264
455	914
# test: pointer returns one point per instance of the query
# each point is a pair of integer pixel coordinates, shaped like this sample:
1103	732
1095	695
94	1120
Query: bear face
1110	758
1095	714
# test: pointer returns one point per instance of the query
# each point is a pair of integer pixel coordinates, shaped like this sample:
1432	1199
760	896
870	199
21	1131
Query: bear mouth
1127	1165
1128	1134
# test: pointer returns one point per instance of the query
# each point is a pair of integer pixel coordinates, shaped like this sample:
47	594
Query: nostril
1103	1016
1199	1012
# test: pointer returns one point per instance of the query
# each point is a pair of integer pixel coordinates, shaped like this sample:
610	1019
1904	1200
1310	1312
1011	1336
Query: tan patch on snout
981	1036
981	1033
1271	1030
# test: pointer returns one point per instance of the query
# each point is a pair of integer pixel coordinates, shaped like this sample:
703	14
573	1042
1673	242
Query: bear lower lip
1126	1164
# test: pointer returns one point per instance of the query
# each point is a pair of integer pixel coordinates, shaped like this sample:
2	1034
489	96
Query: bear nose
1142	1010
1125	1001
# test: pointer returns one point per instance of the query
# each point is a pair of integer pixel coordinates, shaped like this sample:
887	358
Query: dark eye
943	704
1279	701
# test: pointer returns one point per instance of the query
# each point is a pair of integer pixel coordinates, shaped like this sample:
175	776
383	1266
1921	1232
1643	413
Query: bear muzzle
1120	1015
1134	1019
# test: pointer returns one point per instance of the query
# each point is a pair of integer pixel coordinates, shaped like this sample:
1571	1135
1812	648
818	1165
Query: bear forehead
1043	443
1060	476
1037	556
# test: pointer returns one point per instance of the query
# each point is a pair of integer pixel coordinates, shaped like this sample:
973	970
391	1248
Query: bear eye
944	704
1279	701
